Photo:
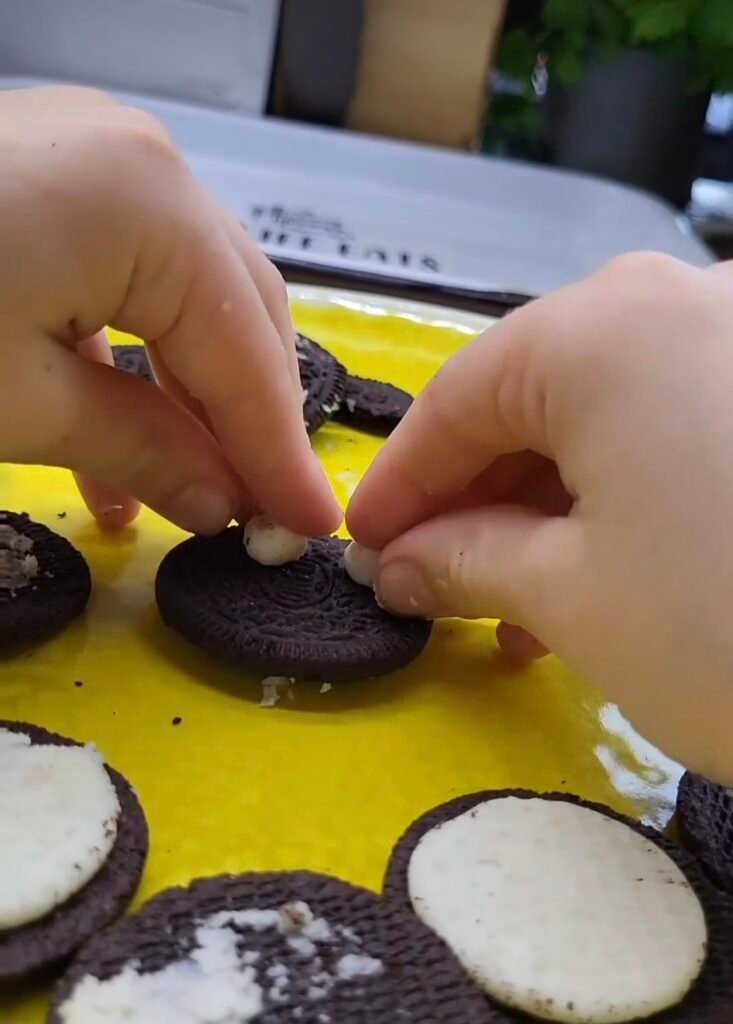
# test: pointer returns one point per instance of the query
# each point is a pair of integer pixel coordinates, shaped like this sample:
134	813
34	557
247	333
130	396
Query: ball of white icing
361	564
270	544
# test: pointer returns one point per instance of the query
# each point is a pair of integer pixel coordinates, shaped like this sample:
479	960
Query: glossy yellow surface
326	781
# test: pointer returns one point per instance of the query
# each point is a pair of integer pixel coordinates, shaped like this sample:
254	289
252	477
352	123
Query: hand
571	472
103	223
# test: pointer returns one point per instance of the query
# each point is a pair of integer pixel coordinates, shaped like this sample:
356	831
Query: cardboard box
424	68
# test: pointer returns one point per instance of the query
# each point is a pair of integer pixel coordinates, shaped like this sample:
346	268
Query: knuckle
141	136
85	93
641	268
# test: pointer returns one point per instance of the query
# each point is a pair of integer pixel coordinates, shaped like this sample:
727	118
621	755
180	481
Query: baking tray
327	781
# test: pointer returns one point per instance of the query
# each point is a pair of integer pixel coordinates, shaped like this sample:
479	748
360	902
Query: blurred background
481	151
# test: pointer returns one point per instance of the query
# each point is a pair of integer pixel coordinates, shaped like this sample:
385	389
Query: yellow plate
325	781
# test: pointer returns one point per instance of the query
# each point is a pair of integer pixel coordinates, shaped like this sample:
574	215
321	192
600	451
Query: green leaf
713	21
610	26
661	20
517	55
560	14
515	113
566	67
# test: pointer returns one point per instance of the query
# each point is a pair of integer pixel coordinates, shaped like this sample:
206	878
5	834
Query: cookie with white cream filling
45	582
563	910
272	948
78	863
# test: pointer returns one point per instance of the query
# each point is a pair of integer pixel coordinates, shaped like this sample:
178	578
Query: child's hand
613	545
101	222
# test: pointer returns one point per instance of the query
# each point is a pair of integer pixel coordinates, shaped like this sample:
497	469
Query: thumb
493	562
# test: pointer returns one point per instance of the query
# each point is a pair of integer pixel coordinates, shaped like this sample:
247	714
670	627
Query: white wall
217	52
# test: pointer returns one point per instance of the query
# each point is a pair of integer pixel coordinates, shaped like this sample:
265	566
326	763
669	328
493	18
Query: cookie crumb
273	688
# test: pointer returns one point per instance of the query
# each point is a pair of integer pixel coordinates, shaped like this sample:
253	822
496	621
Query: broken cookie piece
44	581
323	380
74	842
18	564
280	948
372	406
564	911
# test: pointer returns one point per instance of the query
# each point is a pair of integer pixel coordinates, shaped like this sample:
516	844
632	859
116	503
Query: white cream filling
58	824
220	982
361	564
270	544
209	987
273	687
560	911
17	565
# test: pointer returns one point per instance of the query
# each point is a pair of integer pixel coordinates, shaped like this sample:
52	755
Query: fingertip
372	515
308	506
335	519
321	519
403	588
330	512
204	507
117	517
112	509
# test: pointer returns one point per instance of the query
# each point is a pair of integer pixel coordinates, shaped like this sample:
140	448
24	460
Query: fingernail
201	508
402	588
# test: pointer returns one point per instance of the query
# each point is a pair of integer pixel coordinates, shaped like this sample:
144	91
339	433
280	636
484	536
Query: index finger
227	353
485	402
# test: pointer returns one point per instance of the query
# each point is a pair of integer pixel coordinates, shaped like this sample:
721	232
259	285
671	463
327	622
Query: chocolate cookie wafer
563	910
133	359
52	937
373	406
705	826
272	948
44	581
305	619
323	379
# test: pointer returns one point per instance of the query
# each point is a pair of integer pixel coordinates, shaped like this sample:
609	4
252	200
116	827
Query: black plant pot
633	118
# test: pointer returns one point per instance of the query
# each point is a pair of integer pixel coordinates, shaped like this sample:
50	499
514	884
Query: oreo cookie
373	406
705	826
305	619
323	379
44	582
133	359
33	947
276	948
708	1001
